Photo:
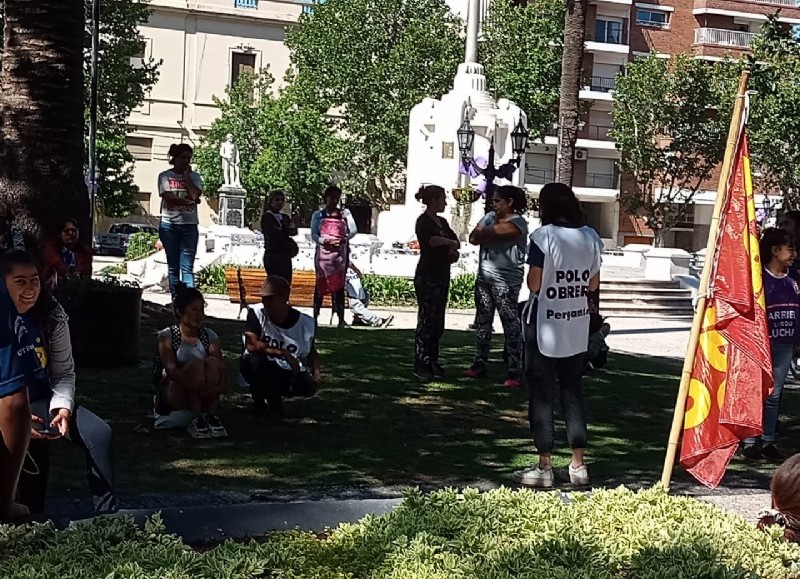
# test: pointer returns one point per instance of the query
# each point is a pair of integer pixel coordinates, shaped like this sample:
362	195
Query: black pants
270	383
337	301
88	432
432	293
278	264
541	378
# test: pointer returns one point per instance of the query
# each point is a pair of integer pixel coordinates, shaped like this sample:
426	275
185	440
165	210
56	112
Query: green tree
522	55
369	62
774	125
124	81
671	120
282	143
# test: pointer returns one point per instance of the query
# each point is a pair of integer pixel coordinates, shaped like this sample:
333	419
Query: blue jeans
781	363
180	246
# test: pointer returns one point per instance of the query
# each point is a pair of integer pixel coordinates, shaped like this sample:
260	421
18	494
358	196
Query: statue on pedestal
229	153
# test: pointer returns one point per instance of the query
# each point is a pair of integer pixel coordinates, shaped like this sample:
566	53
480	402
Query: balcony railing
245	3
792	3
602	83
597	132
535	176
602	181
722	37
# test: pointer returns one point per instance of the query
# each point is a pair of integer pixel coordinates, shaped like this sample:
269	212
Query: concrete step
645	311
645	300
639	284
665	293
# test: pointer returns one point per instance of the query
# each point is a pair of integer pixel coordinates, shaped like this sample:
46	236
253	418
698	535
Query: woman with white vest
564	277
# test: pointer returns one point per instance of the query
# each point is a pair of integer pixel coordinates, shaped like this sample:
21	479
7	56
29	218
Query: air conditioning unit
581	154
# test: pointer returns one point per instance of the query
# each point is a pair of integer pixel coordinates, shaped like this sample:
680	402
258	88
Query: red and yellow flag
732	372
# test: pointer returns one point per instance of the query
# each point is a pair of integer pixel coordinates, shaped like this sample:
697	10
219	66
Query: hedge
612	534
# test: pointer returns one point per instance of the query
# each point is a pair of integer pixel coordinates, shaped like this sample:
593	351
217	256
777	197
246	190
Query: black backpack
175	333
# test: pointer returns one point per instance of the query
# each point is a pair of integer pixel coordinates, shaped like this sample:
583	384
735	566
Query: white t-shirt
570	257
297	339
175	183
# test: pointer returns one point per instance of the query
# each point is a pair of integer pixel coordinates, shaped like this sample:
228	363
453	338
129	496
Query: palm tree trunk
41	110
571	74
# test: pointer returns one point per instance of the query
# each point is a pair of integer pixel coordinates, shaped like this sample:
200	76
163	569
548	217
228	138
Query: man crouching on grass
280	359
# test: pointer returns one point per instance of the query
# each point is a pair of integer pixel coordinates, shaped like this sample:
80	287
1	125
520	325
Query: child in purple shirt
782	296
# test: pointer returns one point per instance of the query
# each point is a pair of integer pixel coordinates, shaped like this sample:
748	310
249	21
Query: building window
653	18
139	57
241	63
141	148
245	3
308	6
609	32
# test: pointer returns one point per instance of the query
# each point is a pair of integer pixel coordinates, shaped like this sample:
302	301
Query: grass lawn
374	424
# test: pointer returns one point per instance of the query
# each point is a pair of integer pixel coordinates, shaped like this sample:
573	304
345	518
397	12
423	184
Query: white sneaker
198	428
535	477
579	476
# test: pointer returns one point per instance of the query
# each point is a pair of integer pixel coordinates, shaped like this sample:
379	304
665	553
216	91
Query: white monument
231	194
229	153
433	154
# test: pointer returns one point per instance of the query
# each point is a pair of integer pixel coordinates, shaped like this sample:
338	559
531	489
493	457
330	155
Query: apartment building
618	31
204	45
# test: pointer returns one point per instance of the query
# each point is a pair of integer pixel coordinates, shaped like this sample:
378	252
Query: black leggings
432	293
88	432
270	383
278	264
337	302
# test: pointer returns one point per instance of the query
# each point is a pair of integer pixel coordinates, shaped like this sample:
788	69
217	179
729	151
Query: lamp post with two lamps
519	144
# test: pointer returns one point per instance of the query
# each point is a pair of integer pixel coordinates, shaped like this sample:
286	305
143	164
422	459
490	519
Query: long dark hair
770	238
269	197
519	202
428	193
786	499
185	295
559	206
178	149
45	303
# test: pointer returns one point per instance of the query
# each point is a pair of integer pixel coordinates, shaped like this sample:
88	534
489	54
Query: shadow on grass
374	424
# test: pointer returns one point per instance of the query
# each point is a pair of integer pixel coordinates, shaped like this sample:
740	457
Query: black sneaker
437	370
771	453
423	372
752	452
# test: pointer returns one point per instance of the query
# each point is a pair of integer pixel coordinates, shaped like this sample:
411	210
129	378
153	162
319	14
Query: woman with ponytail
180	189
438	249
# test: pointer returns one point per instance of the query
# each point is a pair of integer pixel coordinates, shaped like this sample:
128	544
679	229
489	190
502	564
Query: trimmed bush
390	291
614	534
141	245
211	280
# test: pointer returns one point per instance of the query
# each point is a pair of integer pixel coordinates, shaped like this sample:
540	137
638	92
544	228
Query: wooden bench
244	284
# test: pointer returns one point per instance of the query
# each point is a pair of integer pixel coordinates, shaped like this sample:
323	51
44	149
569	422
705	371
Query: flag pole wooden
702	291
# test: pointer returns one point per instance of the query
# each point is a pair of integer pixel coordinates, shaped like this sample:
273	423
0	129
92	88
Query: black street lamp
519	144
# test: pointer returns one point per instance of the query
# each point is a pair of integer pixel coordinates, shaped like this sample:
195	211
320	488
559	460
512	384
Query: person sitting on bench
280	359
359	301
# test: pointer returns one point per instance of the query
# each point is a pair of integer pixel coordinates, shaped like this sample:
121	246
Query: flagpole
702	291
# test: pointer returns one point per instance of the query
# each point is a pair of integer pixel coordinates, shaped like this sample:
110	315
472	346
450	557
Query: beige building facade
204	46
